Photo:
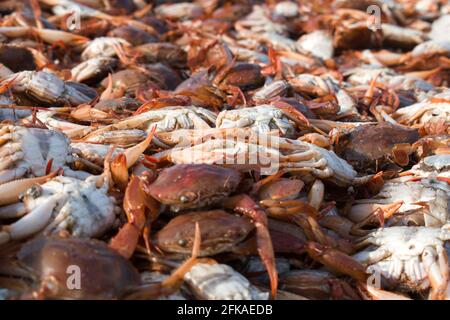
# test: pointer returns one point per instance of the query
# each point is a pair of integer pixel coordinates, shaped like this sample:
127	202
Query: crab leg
371	257
10	160
33	222
378	294
337	261
436	265
316	194
10	191
14	210
362	211
12	174
246	206
48	35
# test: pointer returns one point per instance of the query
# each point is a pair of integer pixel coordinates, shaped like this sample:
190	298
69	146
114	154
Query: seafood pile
224	149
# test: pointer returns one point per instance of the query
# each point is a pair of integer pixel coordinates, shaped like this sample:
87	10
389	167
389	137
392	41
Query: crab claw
336	260
294	114
245	205
132	154
401	152
10	191
123	161
134	204
119	171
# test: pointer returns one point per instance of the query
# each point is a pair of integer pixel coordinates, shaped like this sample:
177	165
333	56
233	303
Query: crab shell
193	185
220	232
53	260
27	152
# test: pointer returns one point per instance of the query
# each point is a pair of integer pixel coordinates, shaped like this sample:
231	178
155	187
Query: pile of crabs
224	149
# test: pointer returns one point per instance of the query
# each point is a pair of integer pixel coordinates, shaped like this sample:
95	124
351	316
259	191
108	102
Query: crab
220	232
45	264
103	47
423	202
47	260
80	208
246	149
28	151
258	22
165	119
314	85
435	166
258	27
93	69
262	118
196	186
411	258
213	281
375	146
272	90
46	87
422	112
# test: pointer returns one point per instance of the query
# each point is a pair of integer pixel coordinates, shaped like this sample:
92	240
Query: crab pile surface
224	149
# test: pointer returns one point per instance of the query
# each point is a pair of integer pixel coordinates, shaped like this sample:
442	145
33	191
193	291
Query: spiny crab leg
245	205
172	283
134	204
10	191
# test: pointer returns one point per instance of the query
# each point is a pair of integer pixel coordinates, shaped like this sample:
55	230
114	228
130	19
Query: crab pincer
134	205
123	161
